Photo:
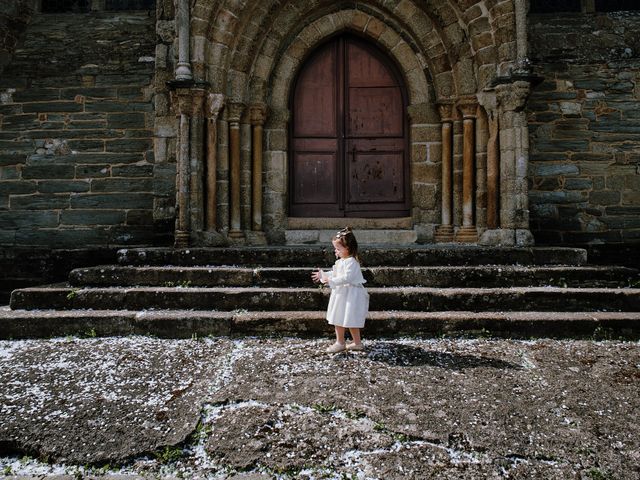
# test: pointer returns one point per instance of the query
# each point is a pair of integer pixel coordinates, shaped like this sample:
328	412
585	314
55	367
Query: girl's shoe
355	347
336	348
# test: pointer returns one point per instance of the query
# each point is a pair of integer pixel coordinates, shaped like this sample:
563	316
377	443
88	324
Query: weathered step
17	324
314	257
273	299
439	276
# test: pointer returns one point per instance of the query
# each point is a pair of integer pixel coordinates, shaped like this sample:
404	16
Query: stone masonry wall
584	125
14	17
77	165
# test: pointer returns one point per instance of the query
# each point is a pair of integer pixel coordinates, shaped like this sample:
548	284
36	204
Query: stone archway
458	62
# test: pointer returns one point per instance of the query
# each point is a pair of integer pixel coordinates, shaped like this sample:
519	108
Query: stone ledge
22	324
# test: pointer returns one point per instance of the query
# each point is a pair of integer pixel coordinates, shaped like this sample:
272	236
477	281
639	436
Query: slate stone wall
77	165
584	125
14	17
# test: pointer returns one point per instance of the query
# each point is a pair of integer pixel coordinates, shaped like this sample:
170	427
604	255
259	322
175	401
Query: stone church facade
208	123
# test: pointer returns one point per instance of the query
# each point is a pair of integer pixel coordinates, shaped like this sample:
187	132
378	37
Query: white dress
349	301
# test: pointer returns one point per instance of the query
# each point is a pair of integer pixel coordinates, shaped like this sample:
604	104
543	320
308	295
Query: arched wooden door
348	140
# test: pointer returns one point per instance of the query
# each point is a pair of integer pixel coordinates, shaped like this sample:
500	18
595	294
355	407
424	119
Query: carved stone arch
283	72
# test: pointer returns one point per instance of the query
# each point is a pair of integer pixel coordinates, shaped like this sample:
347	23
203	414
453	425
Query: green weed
169	454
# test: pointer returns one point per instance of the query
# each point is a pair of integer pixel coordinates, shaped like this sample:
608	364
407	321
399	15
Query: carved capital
446	111
257	114
197	101
513	96
182	101
468	106
235	111
215	102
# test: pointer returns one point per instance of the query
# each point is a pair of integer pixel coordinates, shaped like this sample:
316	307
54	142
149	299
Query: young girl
349	301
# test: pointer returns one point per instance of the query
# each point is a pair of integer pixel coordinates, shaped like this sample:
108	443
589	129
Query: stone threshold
357	223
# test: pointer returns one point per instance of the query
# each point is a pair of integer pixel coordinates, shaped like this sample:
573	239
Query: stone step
65	297
19	324
365	236
314	257
483	276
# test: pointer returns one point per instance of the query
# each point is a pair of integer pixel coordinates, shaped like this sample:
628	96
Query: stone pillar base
444	233
181	239
467	235
236	237
256	238
507	237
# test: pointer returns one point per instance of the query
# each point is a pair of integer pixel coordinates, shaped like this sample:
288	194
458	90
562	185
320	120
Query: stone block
425	196
48	171
604	197
39	202
578	184
140	217
426	173
86	145
31	219
135	170
20	122
555	169
92	217
63	186
72	93
426	133
561	197
126	120
45	107
122	185
128	145
92	171
17	187
12	158
11	172
112	201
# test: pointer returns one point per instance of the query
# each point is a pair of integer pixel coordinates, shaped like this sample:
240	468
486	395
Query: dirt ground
256	408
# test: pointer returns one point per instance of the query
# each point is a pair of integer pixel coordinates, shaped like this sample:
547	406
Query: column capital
468	106
182	101
446	111
513	96
215	103
235	111
257	114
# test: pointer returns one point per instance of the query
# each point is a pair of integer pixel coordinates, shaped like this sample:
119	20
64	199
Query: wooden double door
348	137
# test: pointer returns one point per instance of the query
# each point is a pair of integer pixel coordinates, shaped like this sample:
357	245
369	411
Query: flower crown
344	232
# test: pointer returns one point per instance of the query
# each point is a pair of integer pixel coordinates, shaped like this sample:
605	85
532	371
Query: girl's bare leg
355	335
340	331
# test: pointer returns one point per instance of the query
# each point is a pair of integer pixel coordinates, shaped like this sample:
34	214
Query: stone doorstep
358	224
276	299
22	324
365	237
428	276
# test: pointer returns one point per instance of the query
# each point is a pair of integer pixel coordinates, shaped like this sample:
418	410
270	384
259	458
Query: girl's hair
348	240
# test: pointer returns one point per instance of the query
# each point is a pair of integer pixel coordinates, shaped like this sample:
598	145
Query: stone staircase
422	291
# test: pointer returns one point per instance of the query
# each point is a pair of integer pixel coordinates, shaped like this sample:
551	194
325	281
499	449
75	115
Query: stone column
520	10
514	159
257	116
468	232
196	161
183	70
489	102
184	102
444	231
215	102
234	114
